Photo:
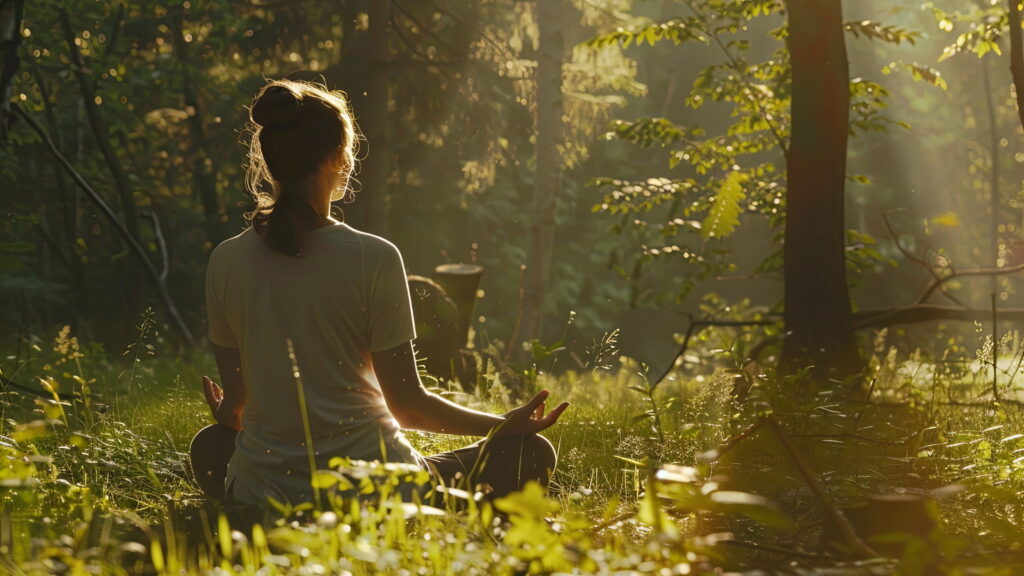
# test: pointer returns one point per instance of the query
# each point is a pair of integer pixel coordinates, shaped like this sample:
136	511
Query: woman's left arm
227	403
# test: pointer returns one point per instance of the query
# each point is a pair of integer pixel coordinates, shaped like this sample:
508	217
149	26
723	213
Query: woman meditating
299	280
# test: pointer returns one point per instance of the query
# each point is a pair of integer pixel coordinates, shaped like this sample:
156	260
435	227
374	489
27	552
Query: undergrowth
736	470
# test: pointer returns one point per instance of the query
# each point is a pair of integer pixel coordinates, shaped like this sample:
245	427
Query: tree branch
133	244
928	312
695	327
99	129
808	475
937	282
160	242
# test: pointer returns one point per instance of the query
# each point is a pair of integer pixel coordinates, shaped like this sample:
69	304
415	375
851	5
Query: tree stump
907	513
460	282
437	327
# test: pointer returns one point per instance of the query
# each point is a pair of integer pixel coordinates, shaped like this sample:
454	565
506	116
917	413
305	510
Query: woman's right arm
227	403
414	407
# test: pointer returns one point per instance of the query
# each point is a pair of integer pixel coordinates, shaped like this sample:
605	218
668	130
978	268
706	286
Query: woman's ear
337	163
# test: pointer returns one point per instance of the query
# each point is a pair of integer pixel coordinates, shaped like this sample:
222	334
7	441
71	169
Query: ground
674	480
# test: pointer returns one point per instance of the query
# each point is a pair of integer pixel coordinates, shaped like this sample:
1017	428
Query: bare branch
695	327
938	282
926	313
105	209
160	242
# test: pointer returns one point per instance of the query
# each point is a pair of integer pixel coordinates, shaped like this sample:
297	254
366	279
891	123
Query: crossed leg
209	453
505	463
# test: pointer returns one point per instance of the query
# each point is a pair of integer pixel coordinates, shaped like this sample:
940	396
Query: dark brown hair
297	128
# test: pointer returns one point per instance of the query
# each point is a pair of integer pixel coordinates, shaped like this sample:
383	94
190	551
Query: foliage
645	477
170	84
720	178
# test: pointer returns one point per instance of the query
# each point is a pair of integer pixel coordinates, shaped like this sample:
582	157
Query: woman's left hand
530	417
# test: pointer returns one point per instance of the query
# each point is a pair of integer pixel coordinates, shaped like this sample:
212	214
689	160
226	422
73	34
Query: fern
724	215
920	73
878	31
677	30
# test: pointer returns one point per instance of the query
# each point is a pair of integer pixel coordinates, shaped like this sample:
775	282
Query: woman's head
303	148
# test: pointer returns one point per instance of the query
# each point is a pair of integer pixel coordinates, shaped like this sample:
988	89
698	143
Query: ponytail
297	127
285	224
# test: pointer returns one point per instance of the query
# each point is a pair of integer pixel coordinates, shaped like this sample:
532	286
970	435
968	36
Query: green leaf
724	215
530	502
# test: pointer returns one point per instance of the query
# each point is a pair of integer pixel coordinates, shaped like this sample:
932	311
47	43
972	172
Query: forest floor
705	474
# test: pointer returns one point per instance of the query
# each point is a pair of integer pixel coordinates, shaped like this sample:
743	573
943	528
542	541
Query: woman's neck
316	191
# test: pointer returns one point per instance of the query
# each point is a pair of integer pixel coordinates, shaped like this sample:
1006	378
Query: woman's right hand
222	412
214	395
530	417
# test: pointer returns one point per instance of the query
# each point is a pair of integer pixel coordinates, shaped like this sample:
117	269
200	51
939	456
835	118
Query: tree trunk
69	207
1016	56
548	168
102	135
10	37
133	244
819	328
373	119
994	173
203	177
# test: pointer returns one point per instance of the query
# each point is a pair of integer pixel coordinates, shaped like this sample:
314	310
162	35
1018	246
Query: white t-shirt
345	297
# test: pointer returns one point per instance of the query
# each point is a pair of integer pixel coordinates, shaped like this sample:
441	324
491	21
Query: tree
375	117
818	321
203	176
548	168
799	104
10	35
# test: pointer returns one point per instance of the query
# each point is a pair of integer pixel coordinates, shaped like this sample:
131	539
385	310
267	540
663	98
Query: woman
298	289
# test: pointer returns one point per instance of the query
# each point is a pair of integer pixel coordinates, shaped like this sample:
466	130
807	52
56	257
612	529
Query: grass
645	483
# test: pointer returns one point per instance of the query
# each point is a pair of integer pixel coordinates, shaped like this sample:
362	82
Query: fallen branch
789	552
804	469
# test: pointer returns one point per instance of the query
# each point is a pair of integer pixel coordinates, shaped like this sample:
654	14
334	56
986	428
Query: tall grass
93	476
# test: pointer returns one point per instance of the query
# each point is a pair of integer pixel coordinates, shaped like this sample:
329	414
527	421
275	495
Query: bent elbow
409	412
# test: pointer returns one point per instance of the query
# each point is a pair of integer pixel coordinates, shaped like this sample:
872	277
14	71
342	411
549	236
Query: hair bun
276	107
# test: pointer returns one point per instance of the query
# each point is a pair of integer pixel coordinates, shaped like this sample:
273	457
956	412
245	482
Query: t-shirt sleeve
219	331
390	305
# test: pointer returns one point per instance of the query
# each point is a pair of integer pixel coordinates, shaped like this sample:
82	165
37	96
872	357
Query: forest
770	252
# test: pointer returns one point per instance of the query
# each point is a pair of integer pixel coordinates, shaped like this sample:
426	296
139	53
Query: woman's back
345	297
300	296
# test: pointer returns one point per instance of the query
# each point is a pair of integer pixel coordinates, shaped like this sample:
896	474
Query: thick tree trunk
548	168
819	328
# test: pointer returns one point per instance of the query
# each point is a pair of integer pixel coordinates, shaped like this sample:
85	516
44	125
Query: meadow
696	476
